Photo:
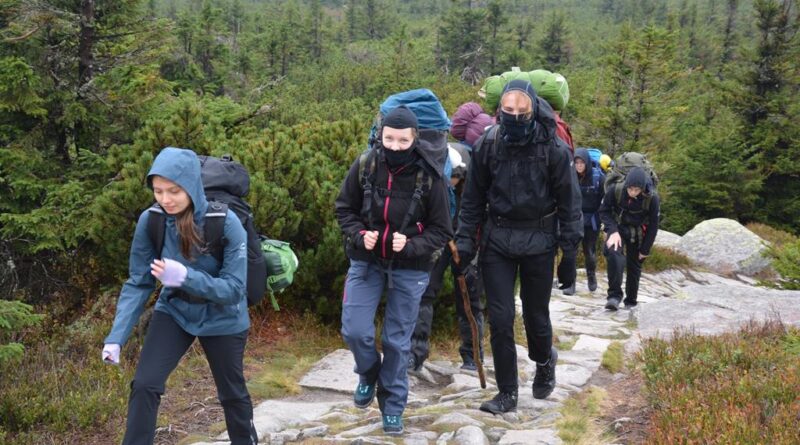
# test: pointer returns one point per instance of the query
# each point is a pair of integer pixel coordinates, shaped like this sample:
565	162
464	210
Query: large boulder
667	240
725	246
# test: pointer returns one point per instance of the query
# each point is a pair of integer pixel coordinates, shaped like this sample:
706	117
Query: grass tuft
577	425
613	359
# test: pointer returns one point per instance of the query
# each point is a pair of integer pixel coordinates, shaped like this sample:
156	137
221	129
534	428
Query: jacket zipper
386	214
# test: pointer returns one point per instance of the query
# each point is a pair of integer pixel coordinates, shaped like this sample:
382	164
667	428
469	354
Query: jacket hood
637	177
182	167
432	156
582	153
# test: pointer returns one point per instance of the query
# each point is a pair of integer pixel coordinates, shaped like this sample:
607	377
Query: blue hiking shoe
363	395
393	425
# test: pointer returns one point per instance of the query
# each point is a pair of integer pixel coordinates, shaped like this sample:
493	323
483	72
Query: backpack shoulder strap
646	203
422	186
214	229
367	165
488	137
156	226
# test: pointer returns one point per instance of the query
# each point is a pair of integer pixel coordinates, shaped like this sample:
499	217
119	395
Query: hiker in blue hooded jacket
391	243
630	215
520	188
199	298
591	181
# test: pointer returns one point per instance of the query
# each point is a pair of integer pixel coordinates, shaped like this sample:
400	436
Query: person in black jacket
630	214
394	213
591	181
520	186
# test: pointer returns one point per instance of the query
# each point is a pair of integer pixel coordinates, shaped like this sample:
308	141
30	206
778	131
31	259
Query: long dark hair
188	236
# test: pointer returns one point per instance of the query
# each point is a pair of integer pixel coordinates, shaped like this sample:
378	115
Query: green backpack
624	163
282	263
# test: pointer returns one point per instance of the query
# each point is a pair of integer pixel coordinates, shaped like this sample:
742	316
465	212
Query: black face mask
399	158
516	131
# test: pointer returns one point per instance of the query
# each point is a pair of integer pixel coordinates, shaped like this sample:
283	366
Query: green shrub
733	388
63	386
661	259
776	237
786	260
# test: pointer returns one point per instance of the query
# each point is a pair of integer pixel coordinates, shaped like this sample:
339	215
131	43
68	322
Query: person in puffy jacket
591	181
520	187
630	216
392	241
469	123
200	298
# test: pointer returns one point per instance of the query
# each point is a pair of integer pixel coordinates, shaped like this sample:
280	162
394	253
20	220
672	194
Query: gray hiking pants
362	294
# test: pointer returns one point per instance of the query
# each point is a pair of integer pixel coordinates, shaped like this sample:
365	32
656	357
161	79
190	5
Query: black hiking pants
567	266
420	340
566	272
164	345
536	278
626	257
590	248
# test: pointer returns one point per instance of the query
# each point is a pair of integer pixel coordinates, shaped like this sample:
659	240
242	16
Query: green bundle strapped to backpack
282	263
551	87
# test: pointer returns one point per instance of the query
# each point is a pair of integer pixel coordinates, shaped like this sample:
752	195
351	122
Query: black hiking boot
612	304
592	281
503	402
569	290
545	380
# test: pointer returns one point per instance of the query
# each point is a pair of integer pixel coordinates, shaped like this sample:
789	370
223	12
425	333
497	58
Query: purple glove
111	353
170	272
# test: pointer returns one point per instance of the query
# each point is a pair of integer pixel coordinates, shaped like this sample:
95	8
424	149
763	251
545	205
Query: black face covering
399	158
516	131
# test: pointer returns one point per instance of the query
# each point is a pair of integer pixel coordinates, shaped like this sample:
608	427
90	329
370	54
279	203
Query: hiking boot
592	281
393	425
612	304
630	304
503	402
363	395
545	380
569	290
469	365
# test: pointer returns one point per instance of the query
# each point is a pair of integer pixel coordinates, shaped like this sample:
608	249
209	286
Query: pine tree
555	47
14	315
495	18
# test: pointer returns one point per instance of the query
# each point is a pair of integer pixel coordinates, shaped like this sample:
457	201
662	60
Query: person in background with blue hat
520	187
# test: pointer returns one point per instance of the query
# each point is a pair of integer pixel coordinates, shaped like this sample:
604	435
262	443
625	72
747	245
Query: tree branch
23	36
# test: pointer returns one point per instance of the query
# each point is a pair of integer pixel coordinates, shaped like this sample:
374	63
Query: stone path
443	403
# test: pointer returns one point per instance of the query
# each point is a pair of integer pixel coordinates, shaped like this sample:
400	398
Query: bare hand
642	257
614	241
370	238
398	241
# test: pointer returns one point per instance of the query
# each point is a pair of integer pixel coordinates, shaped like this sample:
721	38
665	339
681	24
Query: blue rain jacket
223	285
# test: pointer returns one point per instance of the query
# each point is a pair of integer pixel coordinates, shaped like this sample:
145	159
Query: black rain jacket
518	195
428	231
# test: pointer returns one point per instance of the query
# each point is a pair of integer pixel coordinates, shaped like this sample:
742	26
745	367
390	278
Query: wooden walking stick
473	325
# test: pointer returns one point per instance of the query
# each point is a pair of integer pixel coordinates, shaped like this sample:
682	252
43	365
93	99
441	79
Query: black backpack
226	183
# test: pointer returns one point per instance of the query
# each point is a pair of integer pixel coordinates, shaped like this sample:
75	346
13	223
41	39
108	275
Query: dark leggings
165	344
